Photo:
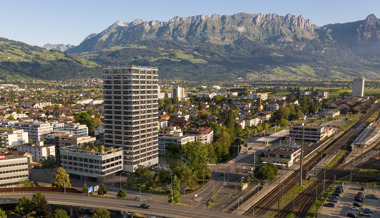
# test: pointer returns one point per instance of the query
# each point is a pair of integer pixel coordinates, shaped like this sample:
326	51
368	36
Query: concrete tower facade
358	87
131	113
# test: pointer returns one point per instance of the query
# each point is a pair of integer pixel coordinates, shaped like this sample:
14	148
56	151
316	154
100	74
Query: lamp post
120	177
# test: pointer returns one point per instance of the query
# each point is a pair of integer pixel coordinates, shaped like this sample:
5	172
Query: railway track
306	198
268	201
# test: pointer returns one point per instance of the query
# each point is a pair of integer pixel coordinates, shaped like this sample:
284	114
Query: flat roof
273	137
284	150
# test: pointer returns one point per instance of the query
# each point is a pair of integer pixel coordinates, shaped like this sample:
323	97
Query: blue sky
37	22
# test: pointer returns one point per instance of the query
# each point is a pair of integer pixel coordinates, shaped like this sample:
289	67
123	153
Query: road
118	205
224	179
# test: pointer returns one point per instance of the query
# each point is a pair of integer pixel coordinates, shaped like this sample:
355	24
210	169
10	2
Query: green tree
175	195
101	213
85	189
30	140
102	189
266	171
37	198
18	110
90	121
122	193
28	183
3	214
44	209
282	122
24	206
11	117
61	179
59	213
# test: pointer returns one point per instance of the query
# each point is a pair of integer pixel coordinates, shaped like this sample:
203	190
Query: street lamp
120	177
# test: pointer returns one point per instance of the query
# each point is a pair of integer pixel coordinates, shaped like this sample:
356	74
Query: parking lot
346	200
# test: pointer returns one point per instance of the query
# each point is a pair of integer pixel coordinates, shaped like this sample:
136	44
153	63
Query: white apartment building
175	136
204	135
69	140
131	113
38	150
76	128
36	130
178	92
310	133
12	137
283	156
358	87
88	163
14	168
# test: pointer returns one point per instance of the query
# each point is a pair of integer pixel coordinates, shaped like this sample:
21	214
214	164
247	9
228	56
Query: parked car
356	204
365	214
329	205
351	215
144	206
361	194
336	194
354	208
367	210
372	196
358	199
334	200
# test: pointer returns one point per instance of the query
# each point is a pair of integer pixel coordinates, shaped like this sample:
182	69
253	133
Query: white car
354	208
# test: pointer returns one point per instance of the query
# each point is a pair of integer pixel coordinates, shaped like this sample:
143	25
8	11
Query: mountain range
224	48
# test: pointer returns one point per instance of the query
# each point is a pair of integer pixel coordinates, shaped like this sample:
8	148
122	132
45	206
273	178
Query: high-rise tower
131	113
358	87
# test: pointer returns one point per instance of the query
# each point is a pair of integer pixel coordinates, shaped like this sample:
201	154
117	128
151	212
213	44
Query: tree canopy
61	179
101	213
266	171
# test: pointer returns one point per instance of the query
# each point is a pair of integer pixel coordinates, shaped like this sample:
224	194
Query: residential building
323	94
272	107
178	92
38	150
131	113
176	136
88	163
284	156
36	130
330	113
253	95
305	93
310	133
252	121
68	140
14	168
204	135
358	87
12	137
76	128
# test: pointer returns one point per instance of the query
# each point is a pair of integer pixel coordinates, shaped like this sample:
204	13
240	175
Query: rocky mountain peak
371	19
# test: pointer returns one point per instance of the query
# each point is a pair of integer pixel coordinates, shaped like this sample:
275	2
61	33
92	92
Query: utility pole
324	178
352	167
361	164
293	202
316	197
278	206
303	138
171	178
